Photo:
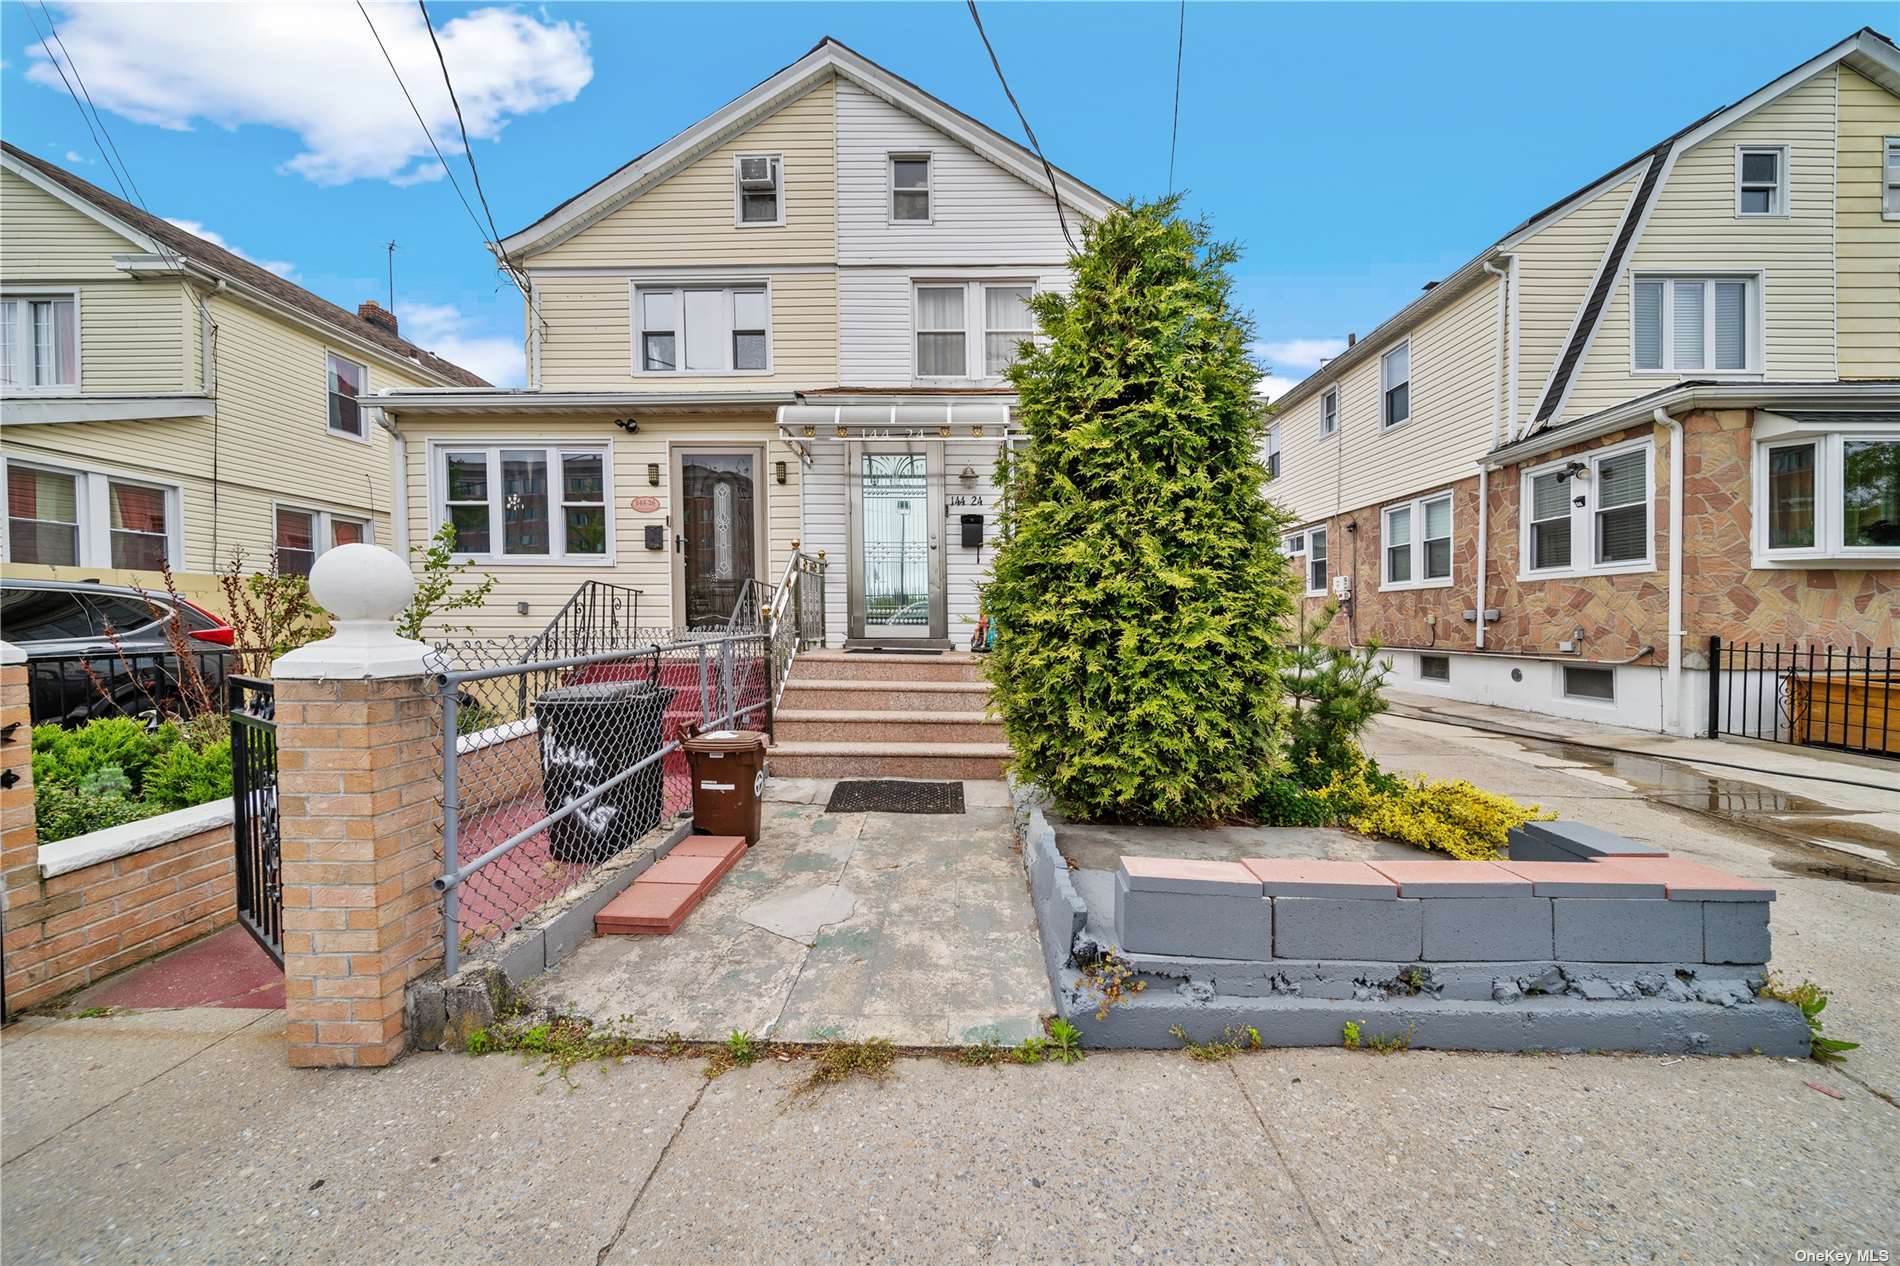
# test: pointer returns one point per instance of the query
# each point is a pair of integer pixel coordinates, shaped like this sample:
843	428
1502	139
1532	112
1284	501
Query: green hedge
115	770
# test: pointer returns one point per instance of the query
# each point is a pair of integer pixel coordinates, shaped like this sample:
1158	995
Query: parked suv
67	627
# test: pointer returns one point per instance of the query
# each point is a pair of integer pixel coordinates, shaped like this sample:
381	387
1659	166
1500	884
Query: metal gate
260	890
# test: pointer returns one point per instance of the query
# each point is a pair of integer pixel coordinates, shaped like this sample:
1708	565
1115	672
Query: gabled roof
152	232
1867	51
829	58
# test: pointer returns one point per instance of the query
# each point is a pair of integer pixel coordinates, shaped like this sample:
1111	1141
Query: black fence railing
260	888
1844	698
70	690
600	616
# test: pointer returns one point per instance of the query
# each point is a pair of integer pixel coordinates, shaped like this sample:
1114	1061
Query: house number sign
645	505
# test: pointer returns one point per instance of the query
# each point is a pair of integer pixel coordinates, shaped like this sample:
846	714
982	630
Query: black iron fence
71	690
260	890
599	617
1844	698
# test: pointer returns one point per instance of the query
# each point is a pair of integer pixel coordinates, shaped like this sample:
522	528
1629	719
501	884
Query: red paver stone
1319	877
701	872
720	846
1180	874
1692	881
647	907
1453	879
1585	879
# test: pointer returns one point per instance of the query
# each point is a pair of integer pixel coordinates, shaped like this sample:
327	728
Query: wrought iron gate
260	891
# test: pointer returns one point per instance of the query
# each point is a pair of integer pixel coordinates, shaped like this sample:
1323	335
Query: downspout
399	487
1497	431
1672	696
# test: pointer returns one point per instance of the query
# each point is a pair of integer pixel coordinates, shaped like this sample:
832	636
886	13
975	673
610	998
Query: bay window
77	518
138	530
1688	325
39	342
1592	514
1828	496
526	502
1417	543
702	329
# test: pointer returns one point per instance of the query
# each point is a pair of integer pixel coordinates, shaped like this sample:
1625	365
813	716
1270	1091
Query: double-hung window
1316	574
1417	540
1590	514
1329	412
347	380
42	516
702	329
1007	325
1273	451
942	346
1692	325
1395	373
1761	180
910	188
758	190
1890	179
1828	496
76	518
526	501
303	535
946	346
39	343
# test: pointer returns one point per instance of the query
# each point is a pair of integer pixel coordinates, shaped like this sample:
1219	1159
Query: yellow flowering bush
1449	816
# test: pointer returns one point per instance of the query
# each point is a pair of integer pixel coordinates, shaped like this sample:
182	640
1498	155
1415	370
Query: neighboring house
1663	410
169	404
787	324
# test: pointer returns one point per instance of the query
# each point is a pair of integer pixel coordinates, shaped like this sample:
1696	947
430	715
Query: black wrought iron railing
260	890
73	689
600	616
1844	698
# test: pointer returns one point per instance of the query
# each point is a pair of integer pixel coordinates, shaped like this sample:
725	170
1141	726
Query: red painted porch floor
225	969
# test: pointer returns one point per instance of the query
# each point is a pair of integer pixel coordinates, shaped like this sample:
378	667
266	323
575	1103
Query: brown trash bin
728	769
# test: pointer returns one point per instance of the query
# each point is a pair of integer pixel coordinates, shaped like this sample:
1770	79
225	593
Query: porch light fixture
968	475
778	471
653	473
629	425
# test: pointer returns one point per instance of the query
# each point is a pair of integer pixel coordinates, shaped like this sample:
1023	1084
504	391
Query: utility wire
1174	131
1028	131
60	66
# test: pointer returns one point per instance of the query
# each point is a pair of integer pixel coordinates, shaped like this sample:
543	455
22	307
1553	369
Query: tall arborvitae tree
1140	598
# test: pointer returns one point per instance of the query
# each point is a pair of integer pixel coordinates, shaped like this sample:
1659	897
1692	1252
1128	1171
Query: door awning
913	418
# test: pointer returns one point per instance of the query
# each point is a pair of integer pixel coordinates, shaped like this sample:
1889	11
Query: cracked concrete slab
798	916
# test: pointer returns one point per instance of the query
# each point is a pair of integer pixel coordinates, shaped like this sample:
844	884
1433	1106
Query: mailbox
972	531
656	536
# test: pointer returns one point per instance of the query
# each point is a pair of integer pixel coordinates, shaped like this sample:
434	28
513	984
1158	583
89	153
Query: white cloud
1300	353
282	267
443	329
315	70
1273	386
76	158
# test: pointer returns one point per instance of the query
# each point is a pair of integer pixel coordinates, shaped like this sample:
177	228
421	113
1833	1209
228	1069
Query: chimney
1351	339
376	314
1431	285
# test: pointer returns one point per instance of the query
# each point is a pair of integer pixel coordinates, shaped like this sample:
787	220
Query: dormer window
1761	180
910	188
758	190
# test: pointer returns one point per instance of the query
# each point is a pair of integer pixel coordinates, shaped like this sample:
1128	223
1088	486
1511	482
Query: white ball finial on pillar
365	587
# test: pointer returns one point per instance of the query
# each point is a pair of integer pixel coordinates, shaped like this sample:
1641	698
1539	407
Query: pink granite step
1318	877
1691	881
1453	879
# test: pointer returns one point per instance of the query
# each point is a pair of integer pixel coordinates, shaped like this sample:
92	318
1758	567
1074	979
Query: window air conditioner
755	175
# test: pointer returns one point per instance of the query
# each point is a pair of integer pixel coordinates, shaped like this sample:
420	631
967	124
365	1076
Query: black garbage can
589	733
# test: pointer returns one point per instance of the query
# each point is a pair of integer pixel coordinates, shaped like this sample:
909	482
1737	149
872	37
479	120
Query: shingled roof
235	267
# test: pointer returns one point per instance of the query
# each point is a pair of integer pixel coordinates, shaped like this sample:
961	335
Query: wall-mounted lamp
1573	470
521	608
653	473
968	475
778	471
629	425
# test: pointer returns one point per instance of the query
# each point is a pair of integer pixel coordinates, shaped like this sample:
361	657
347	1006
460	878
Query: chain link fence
552	766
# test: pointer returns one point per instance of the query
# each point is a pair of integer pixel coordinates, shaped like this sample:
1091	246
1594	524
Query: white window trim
1781	211
1275	459
91	503
1757	330
1583	517
1331	393
362	410
1385	386
738	195
975	324
73	388
929	159
1307	567
1888	211
557	522
1417	508
728	285
322	521
1828	549
1293	544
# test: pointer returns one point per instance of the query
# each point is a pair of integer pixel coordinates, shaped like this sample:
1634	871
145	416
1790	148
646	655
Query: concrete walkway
914	927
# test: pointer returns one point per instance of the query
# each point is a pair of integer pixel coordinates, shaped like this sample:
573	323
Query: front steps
869	715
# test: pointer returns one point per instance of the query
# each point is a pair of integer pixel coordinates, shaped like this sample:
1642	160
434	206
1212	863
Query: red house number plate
645	505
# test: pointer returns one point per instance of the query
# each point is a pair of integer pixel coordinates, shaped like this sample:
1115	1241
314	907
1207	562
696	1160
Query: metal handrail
586	596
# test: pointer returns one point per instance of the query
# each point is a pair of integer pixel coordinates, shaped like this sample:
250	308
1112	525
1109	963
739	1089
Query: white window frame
1416	508
91	499
1890	178
1320	533
27	294
1329	413
1386	384
981	301
439	451
1583	517
1757	318
930	185
1293	544
1273	451
1830	471
738	195
323	526
728	287
362	410
975	324
1779	207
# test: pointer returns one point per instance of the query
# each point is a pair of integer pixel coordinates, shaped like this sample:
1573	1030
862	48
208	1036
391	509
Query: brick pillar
359	770
19	839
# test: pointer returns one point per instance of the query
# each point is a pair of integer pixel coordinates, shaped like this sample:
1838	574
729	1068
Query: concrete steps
879	715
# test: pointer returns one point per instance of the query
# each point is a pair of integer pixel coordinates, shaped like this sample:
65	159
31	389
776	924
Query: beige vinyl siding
587	342
132	338
1453	367
1694	227
546	587
688	217
1868	300
1555	268
175	452
43	239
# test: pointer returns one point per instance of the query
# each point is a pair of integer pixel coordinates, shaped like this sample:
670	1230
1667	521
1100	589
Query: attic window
910	188
758	190
1761	180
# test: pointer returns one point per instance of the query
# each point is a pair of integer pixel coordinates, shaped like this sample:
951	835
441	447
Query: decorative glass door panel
718	532
896	549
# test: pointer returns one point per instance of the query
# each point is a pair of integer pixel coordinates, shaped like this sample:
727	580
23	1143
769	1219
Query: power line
1028	131
1174	132
83	116
473	170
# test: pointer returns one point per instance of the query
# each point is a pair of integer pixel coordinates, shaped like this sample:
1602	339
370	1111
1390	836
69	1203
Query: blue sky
1355	150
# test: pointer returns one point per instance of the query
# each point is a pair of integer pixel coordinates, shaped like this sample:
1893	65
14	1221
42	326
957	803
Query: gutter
1672	694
